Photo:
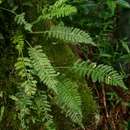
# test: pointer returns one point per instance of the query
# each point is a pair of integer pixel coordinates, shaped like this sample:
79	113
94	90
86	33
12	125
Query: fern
64	10
70	34
43	110
43	67
42	106
23	104
58	10
67	96
100	73
18	41
20	20
68	99
59	3
28	85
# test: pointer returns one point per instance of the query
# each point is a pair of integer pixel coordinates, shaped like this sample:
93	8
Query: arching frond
43	67
68	99
100	73
18	40
42	108
70	34
23	103
20	20
57	10
23	67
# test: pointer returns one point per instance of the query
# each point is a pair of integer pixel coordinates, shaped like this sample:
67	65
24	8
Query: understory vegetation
64	65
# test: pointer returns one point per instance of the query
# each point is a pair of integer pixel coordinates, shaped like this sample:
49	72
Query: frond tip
100	73
69	100
70	34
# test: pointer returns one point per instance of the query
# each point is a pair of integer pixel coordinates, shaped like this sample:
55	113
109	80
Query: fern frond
18	40
20	20
43	67
23	103
100	73
23	67
59	3
57	12
29	87
42	107
70	34
68	99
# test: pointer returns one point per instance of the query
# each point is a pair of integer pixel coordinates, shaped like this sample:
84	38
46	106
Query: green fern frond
68	99
18	41
70	34
23	67
59	3
23	103
20	20
43	67
43	108
29	87
57	10
100	73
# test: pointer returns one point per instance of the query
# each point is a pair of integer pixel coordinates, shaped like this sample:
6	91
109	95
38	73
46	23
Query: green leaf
1	1
44	70
123	3
112	5
70	35
69	100
101	73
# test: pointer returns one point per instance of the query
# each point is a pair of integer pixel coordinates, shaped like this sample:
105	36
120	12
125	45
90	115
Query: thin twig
104	101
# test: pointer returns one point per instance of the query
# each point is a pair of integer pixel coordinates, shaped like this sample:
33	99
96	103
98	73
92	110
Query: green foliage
101	73
43	111
23	102
20	20
43	79
43	67
68	99
18	41
58	10
70	34
65	92
123	3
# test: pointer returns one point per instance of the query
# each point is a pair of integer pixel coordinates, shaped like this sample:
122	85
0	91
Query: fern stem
40	32
12	12
28	43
